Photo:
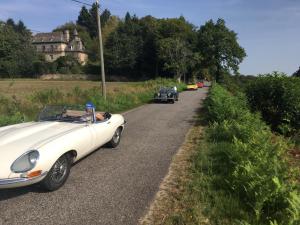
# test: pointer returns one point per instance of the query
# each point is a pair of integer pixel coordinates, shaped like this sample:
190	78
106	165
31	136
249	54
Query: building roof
49	37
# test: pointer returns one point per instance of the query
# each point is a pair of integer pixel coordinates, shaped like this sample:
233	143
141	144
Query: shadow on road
198	120
6	194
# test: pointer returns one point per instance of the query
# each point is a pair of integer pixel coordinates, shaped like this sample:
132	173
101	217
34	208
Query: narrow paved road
111	186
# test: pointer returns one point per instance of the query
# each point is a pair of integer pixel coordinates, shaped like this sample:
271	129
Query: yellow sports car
192	87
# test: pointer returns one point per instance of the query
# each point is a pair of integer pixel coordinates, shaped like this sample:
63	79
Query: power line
86	3
81	2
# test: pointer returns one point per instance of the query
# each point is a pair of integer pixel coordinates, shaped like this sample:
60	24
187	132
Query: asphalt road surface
111	186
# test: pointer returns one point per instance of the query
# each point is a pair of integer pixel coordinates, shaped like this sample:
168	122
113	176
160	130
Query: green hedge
277	98
248	161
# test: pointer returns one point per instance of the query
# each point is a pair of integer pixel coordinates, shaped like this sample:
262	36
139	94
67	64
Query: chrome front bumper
162	99
20	182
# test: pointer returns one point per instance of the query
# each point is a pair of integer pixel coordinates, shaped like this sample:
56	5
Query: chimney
67	35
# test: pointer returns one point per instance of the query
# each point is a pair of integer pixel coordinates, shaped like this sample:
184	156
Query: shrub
11	119
9	110
49	96
248	160
277	98
221	106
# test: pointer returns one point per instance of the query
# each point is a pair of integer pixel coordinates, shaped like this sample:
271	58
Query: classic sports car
166	95
200	84
192	87
43	152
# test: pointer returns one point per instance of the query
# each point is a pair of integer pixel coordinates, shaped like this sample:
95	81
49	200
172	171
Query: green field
21	100
21	88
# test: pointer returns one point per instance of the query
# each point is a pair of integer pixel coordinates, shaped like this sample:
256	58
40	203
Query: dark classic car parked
167	94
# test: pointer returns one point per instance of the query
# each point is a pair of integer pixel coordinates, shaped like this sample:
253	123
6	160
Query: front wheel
58	174
115	141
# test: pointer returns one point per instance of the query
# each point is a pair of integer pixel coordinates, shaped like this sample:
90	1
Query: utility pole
101	51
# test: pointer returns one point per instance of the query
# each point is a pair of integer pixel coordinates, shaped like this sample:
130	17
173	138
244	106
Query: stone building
57	44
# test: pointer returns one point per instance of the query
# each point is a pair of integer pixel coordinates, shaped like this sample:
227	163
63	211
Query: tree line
134	48
148	47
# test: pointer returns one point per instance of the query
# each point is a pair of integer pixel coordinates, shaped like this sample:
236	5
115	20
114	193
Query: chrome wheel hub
59	170
116	136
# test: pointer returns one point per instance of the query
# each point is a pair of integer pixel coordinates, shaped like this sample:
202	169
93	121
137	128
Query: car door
102	132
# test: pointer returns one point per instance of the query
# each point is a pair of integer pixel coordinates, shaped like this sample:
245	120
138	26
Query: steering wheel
107	115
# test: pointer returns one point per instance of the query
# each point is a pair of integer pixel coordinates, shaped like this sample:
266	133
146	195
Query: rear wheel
58	174
115	141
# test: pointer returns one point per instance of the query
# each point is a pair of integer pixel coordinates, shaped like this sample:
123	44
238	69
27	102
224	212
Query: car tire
173	101
115	141
58	174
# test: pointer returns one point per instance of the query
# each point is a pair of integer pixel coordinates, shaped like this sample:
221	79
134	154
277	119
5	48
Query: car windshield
65	114
163	90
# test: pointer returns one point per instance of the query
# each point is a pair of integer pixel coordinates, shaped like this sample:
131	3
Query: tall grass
119	99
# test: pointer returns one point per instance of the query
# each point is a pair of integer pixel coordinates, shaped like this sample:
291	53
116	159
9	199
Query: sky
269	30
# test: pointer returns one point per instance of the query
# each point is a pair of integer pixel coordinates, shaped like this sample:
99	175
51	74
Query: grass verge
173	201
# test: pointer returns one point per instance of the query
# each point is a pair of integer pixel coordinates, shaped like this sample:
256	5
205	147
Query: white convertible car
43	152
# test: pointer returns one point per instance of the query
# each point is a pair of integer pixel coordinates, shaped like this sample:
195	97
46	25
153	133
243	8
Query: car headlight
25	162
158	94
169	94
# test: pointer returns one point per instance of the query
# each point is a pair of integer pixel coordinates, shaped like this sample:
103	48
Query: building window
52	48
51	57
44	48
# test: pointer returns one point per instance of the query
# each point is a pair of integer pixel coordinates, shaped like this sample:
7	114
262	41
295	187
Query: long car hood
18	139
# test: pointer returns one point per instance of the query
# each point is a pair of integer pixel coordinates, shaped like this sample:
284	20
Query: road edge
174	182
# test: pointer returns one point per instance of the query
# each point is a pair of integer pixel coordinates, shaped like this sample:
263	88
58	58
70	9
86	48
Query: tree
122	52
16	51
110	26
220	48
124	47
67	64
21	28
105	16
84	18
88	19
10	22
297	73
177	28
138	41
127	17
174	53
